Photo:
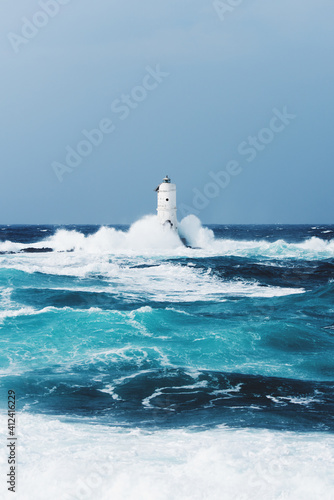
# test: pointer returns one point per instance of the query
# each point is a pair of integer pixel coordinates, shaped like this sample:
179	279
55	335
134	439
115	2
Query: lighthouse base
184	241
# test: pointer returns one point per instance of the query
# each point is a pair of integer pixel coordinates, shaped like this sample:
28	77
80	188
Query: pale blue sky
225	78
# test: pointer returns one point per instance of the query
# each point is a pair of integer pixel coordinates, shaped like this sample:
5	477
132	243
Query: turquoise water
103	325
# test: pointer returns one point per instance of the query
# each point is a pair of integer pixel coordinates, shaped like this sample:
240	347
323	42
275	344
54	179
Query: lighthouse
167	203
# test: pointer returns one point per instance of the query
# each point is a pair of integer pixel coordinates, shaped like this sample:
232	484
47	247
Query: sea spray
195	234
148	237
143	235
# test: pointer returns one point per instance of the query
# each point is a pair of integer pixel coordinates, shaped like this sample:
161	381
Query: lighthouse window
167	199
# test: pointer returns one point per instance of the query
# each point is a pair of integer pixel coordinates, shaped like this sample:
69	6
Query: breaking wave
148	237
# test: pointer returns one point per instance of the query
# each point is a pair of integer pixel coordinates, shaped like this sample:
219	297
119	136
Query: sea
146	369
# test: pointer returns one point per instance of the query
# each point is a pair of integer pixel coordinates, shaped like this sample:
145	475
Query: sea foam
75	461
147	237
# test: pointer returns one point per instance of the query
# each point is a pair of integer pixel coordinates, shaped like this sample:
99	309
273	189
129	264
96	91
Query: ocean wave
118	281
30	311
173	396
126	300
13	313
148	237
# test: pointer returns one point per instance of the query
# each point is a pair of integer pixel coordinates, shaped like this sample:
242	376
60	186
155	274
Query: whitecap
147	238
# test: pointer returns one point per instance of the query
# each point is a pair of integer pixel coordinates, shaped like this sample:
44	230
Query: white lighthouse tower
167	203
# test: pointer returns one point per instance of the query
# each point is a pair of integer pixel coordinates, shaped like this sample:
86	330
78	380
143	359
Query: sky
232	99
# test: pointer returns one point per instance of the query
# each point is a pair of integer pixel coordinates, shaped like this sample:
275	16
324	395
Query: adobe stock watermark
84	489
31	27
249	148
121	108
226	7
